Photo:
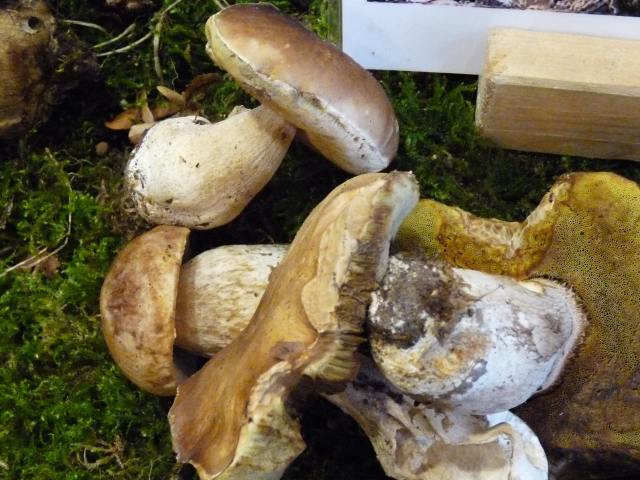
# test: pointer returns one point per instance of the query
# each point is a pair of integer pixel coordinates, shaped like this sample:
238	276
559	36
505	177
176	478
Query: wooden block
560	93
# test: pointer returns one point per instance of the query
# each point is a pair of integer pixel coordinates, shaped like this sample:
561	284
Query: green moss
61	396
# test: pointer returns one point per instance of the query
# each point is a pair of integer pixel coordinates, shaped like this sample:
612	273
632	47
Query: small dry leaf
147	116
171	95
136	132
49	266
164	110
198	84
124	120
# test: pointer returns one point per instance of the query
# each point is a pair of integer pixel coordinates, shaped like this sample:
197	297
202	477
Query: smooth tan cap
137	303
342	108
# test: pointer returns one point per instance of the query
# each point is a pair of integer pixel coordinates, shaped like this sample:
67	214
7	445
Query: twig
156	40
127	47
112	452
117	38
39	257
221	4
84	24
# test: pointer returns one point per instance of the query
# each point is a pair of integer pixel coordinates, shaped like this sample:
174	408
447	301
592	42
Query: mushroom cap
230	420
188	171
219	292
341	107
137	305
585	233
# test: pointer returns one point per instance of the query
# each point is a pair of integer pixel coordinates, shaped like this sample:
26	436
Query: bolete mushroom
412	440
230	419
150	303
342	109
187	171
584	234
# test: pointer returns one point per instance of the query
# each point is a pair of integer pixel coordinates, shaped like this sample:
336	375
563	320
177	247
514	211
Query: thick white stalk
468	340
188	171
416	442
219	291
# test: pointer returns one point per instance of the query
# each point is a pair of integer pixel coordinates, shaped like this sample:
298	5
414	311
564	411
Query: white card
432	37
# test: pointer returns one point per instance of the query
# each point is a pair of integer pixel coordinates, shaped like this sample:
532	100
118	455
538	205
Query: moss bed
66	412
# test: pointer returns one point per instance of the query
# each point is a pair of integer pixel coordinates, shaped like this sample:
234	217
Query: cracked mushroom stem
230	419
472	341
416	442
343	110
187	171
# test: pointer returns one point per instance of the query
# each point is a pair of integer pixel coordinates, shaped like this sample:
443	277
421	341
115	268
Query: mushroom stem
416	442
472	341
187	171
218	293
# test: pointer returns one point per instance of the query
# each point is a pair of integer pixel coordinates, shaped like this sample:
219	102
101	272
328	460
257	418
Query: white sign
453	39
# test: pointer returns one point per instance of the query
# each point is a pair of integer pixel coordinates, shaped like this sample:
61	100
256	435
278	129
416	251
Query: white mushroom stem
415	442
467	340
218	293
187	171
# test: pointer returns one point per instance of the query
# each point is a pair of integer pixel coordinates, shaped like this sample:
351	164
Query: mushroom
342	109
220	290
137	306
150	303
584	235
230	419
187	171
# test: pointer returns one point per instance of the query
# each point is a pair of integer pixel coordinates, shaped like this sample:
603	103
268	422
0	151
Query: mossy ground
66	412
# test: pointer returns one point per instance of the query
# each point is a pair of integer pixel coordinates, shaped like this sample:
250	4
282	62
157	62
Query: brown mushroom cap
229	420
342	108
137	303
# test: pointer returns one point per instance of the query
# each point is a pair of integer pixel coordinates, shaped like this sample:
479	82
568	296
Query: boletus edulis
437	329
230	419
